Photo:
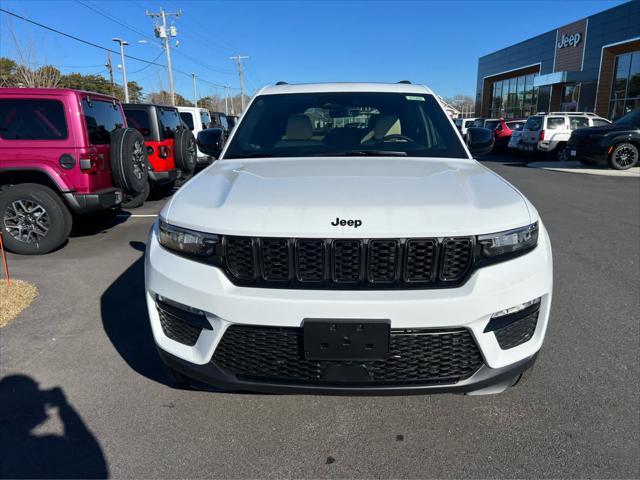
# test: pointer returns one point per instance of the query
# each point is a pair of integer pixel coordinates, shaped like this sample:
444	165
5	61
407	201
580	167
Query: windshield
631	118
349	123
491	124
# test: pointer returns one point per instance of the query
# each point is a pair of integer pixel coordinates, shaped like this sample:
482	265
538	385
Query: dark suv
61	152
617	144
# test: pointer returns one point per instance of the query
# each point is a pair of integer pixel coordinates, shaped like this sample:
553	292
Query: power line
95	45
108	16
73	37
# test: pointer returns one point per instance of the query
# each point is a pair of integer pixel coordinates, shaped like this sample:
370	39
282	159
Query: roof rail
282	83
406	82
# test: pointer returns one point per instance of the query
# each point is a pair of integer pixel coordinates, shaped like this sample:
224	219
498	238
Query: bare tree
28	74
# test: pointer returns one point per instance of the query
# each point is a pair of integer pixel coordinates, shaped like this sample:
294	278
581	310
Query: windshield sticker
415	99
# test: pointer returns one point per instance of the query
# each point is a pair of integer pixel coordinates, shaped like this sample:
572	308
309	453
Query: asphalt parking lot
116	414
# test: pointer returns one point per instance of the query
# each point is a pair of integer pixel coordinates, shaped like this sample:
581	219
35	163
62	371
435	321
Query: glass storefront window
625	92
513	97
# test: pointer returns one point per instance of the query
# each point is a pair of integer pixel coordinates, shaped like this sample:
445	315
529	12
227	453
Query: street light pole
195	97
124	68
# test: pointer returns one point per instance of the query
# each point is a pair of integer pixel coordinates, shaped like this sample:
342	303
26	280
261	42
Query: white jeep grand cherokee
347	242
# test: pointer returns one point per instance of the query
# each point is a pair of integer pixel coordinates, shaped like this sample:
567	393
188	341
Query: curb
577	167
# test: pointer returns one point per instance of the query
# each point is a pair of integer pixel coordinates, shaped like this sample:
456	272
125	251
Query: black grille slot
383	260
421	260
241	257
318	263
518	332
176	329
275	258
346	260
310	260
420	356
456	259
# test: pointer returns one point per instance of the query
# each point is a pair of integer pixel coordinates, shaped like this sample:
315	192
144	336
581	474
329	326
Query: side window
32	120
102	118
555	123
598	122
187	118
139	119
223	121
578	122
205	119
169	121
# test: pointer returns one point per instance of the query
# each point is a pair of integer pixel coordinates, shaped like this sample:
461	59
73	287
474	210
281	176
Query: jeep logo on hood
346	223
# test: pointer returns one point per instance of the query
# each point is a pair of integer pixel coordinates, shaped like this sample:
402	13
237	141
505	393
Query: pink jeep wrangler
62	152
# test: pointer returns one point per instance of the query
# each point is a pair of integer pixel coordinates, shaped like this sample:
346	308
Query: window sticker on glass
417	99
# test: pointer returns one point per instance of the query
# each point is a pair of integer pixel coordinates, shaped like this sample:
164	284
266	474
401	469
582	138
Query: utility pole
226	100
124	68
110	68
238	59
164	34
195	97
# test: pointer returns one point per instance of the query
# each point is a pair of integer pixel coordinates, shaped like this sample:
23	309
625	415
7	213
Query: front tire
624	156
33	218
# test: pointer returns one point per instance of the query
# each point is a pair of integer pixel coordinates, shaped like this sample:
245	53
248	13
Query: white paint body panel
394	197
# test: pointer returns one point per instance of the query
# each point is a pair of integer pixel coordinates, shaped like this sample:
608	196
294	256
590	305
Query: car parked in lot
549	132
232	120
197	119
171	146
503	131
462	124
357	260
617	144
220	120
62	151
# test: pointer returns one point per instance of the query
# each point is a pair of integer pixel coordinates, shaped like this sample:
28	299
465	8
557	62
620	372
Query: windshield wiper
361	153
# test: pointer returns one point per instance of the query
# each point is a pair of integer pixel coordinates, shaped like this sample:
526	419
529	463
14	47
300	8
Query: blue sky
432	42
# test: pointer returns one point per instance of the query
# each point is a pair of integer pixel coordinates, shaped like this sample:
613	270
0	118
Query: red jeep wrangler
171	147
61	152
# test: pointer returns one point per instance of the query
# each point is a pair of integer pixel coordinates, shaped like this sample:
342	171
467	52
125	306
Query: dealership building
590	65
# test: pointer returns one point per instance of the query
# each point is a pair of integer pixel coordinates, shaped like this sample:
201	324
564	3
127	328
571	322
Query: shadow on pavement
126	322
97	222
74	454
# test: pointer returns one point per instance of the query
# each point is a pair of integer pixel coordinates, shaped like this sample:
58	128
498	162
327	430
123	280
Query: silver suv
550	132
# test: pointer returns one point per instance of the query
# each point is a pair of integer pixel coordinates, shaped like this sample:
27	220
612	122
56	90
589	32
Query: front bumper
163	177
83	203
470	307
485	381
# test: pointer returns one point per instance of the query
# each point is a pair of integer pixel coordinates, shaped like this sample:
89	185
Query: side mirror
211	141
479	140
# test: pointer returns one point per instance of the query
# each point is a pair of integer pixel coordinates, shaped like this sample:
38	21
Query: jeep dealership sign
570	40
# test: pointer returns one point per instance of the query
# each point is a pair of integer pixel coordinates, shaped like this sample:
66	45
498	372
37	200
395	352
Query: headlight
509	243
199	246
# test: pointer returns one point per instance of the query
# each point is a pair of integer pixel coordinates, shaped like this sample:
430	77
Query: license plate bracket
338	339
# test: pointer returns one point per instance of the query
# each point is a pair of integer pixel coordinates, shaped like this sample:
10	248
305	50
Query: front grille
348	263
177	329
518	332
417	356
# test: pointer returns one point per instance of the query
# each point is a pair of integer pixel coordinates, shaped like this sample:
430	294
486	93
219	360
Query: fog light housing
516	308
515	325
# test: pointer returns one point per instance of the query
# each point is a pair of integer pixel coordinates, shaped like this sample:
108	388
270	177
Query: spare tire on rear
128	160
186	151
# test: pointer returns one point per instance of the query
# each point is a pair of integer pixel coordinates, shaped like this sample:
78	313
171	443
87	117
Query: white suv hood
393	197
